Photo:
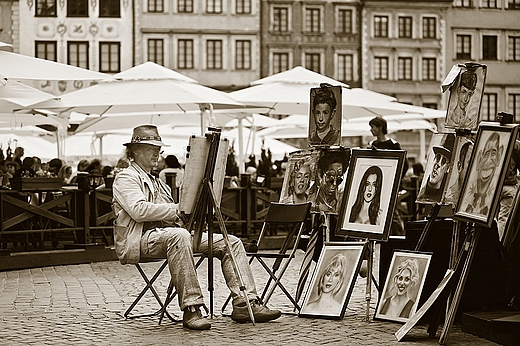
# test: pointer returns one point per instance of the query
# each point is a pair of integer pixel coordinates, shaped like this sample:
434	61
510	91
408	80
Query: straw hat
146	134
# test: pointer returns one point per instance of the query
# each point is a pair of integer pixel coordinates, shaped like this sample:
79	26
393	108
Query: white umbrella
22	67
289	93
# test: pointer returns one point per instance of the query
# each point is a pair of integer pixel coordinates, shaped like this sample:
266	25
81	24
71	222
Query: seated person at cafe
55	166
26	170
148	225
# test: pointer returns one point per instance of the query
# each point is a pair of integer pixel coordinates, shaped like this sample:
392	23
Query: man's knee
178	236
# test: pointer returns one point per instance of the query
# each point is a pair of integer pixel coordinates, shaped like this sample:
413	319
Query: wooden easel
202	214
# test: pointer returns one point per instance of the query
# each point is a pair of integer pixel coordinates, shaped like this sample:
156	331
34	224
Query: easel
203	210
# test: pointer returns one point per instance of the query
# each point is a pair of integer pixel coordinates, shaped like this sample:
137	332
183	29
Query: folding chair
291	218
149	287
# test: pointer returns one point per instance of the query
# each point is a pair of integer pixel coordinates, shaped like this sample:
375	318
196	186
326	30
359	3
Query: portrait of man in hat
439	159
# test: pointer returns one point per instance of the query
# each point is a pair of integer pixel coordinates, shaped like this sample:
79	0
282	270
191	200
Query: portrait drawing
478	198
437	168
403	286
333	280
300	177
465	97
325	115
457	171
370	193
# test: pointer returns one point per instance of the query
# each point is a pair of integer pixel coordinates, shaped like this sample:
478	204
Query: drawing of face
440	166
332	178
331	280
302	180
489	160
323	116
403	281
370	188
464	96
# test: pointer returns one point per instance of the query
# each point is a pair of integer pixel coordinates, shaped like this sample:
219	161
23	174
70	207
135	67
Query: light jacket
136	201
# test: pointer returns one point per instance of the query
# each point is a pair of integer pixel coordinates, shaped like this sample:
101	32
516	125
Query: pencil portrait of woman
366	209
400	304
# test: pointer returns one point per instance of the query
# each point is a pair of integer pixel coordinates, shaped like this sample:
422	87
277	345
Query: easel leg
368	288
470	247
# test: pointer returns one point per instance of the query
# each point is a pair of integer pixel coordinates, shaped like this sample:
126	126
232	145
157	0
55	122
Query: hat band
137	139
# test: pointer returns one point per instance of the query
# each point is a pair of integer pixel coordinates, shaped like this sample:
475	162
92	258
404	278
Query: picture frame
382	170
403	285
333	280
437	170
478	200
462	150
466	96
325	115
301	179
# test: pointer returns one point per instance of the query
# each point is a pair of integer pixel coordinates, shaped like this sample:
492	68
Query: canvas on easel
325	115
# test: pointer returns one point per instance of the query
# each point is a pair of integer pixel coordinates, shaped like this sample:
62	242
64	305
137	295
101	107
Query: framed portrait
333	280
462	150
300	180
325	115
370	193
437	168
478	200
403	285
332	167
466	96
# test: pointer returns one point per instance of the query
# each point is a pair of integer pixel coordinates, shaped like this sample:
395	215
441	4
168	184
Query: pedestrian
172	166
148	225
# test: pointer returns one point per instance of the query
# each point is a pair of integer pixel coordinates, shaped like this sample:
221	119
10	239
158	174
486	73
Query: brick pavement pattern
83	305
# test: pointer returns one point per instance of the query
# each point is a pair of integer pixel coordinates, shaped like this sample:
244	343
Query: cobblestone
84	304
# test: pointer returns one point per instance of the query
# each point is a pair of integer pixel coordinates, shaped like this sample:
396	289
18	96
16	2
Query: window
312	20
513	105
185	6
214	54
489	47
344	24
404	68
243	6
185	54
110	57
110	8
313	62
213	6
514	4
77	8
429	27
280	62
405	27
45	8
157	6
280	19
489	3
462	3
513	48
488	109
381	68
381	26
243	55
345	67
156	50
46	50
429	69
463	47
77	54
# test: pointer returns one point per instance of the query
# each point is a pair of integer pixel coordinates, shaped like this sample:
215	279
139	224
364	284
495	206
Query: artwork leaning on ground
333	280
437	168
462	150
466	83
403	285
370	193
478	200
325	115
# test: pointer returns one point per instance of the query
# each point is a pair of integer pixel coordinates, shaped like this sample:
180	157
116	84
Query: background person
323	112
172	166
147	225
366	209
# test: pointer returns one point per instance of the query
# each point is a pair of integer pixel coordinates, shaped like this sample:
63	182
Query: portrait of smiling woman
366	209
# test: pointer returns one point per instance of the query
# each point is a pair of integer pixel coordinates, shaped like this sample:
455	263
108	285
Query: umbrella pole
241	162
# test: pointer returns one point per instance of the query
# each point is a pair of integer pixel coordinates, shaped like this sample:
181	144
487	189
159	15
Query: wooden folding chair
149	287
291	219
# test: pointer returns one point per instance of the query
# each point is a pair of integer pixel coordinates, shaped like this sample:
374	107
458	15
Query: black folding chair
149	287
281	217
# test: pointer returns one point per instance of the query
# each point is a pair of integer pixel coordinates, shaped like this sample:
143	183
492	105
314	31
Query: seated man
147	225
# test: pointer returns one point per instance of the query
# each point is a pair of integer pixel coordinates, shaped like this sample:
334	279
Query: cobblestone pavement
83	304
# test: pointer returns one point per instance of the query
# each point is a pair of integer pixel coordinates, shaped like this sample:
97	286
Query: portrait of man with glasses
331	170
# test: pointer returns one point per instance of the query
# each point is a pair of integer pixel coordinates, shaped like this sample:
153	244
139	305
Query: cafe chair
289	218
162	311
